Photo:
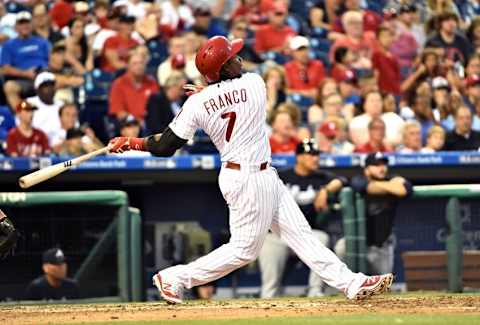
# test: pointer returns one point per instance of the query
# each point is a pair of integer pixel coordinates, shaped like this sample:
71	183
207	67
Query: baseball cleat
374	285
170	291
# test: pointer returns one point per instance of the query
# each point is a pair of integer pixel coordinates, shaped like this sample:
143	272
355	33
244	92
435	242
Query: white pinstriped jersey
233	114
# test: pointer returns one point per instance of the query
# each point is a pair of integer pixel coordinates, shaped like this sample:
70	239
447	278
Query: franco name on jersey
224	100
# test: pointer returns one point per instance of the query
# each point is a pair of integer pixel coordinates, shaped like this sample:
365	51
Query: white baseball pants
259	201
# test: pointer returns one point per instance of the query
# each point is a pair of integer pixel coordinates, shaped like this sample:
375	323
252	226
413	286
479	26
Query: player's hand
122	144
321	201
192	89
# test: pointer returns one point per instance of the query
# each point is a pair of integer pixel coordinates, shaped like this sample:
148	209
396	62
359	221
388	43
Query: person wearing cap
472	91
61	13
462	137
24	140
205	24
165	104
382	193
46	117
130	127
274	36
303	75
116	48
442	107
53	284
408	36
21	58
73	145
130	92
311	188
42	25
332	137
454	45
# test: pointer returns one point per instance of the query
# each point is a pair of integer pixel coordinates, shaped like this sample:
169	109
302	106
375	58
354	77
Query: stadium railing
125	229
353	208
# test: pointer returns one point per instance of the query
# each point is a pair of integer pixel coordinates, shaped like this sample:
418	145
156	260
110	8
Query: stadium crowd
356	75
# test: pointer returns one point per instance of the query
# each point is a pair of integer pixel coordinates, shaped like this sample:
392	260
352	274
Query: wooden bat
52	171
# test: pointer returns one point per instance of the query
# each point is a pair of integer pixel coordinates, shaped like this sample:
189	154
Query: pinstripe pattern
257	200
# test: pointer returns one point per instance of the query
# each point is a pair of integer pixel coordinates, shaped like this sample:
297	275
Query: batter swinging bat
52	171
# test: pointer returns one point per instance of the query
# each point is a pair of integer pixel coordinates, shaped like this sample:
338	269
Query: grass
333	320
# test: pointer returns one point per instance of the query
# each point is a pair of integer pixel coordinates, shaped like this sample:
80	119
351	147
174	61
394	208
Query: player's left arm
161	145
332	187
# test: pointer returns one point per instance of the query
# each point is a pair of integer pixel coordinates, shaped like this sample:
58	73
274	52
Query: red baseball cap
329	129
472	80
178	61
347	76
24	105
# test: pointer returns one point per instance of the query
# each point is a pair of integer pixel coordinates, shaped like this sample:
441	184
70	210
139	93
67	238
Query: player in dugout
231	110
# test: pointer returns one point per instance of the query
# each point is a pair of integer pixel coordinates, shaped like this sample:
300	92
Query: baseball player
231	110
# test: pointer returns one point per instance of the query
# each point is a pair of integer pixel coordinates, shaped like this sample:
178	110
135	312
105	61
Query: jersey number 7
231	116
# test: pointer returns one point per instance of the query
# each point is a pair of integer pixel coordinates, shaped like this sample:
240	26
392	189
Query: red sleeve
376	60
289	74
116	101
12	142
44	143
110	43
259	41
319	72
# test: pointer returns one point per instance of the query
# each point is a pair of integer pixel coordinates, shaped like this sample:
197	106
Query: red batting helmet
214	54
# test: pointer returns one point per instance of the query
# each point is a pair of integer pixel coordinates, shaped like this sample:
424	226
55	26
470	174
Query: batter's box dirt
418	304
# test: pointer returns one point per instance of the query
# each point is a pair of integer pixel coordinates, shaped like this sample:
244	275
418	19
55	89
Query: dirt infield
429	304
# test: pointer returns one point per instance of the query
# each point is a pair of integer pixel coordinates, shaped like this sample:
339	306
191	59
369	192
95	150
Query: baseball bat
52	171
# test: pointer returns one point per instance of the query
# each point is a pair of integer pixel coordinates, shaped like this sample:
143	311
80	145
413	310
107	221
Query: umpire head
376	166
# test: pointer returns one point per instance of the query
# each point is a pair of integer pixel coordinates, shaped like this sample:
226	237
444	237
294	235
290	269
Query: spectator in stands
318	26
130	92
163	106
360	43
343	58
406	44
454	45
274	36
376	136
177	60
462	138
204	24
472	93
177	16
73	146
274	78
42	26
315	112
116	48
21	58
412	138
7	25
284	138
435	140
254	11
473	33
387	69
441	99
54	284
372	108
473	64
349	90
428	68
422	108
68	115
65	77
303	75
393	122
61	13
25	140
332	106
109	29
370	20
137	8
310	188
251	60
79	52
46	117
332	136
382	194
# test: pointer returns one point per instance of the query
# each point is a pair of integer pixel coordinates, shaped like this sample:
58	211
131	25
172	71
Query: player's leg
380	259
272	259
291	226
251	198
315	283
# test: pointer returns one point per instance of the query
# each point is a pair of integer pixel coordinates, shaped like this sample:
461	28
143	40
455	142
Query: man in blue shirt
21	59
